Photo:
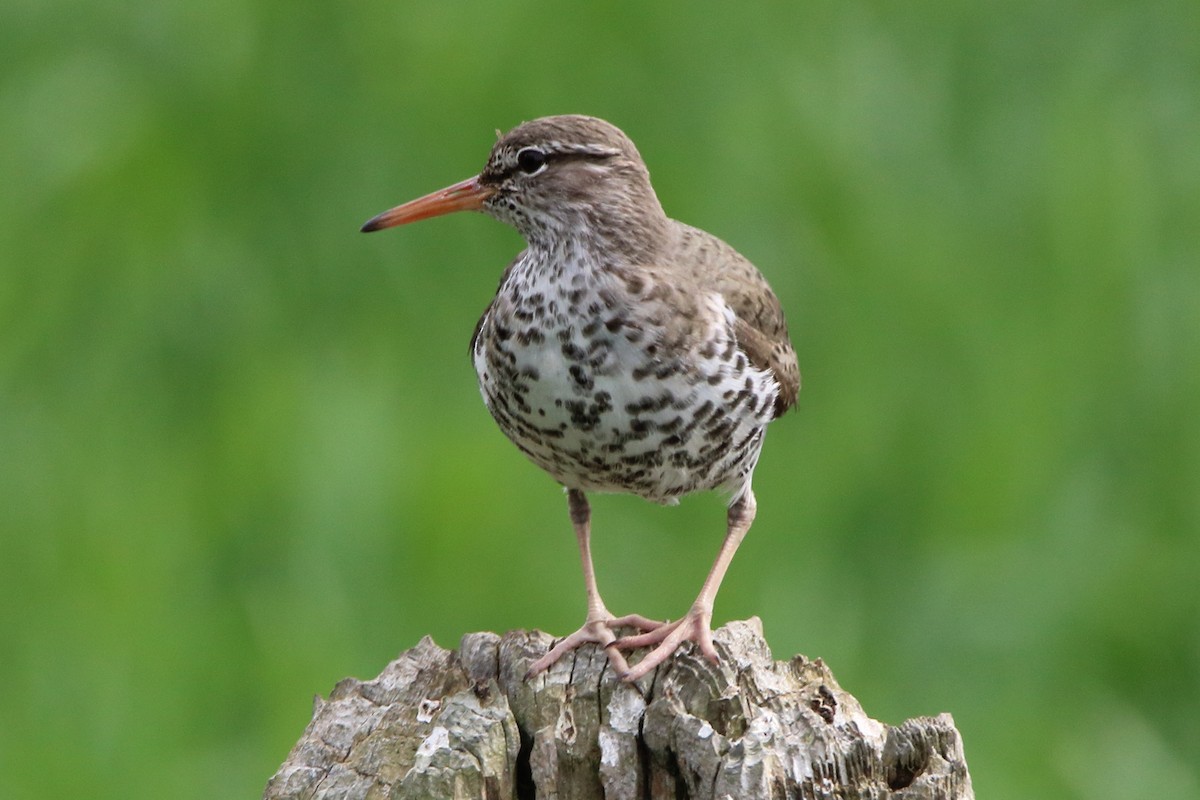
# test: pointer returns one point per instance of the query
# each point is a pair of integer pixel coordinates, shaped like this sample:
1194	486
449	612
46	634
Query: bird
623	352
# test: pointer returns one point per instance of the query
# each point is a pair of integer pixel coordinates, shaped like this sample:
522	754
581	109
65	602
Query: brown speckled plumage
624	351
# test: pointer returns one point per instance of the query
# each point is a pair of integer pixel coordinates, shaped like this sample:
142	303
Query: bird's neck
601	235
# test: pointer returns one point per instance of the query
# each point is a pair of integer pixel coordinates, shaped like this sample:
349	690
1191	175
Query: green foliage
243	454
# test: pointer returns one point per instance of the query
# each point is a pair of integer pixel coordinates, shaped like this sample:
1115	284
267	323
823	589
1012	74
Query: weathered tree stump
465	724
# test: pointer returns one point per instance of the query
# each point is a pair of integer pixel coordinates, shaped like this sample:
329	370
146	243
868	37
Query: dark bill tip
468	195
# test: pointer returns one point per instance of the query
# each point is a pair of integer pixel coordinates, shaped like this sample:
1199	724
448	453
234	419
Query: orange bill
465	195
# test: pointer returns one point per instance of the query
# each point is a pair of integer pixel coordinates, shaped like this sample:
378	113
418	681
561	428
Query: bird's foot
600	631
695	626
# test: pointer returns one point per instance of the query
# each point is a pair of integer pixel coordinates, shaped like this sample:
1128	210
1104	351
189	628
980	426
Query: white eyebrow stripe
581	149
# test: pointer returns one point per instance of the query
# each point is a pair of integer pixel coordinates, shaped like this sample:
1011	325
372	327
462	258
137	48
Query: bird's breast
593	388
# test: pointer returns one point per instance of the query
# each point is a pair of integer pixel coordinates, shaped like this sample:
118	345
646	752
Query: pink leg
695	626
599	624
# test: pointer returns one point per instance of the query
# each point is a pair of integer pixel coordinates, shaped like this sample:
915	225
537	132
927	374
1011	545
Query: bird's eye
531	160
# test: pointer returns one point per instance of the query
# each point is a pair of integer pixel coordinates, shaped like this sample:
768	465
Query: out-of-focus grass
244	456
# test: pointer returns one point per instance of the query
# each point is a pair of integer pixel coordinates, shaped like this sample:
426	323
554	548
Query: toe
653	637
657	656
617	661
666	639
598	631
637	621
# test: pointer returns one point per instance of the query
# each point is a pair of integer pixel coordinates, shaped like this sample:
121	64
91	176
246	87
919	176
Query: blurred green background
243	454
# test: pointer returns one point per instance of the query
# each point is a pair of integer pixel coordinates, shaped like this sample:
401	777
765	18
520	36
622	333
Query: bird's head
553	178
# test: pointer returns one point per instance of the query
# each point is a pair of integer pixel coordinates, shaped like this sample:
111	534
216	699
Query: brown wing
776	356
761	327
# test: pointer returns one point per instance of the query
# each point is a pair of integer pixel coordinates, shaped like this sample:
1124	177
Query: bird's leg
695	626
599	624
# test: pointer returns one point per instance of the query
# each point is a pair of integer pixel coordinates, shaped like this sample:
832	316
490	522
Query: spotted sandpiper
623	352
